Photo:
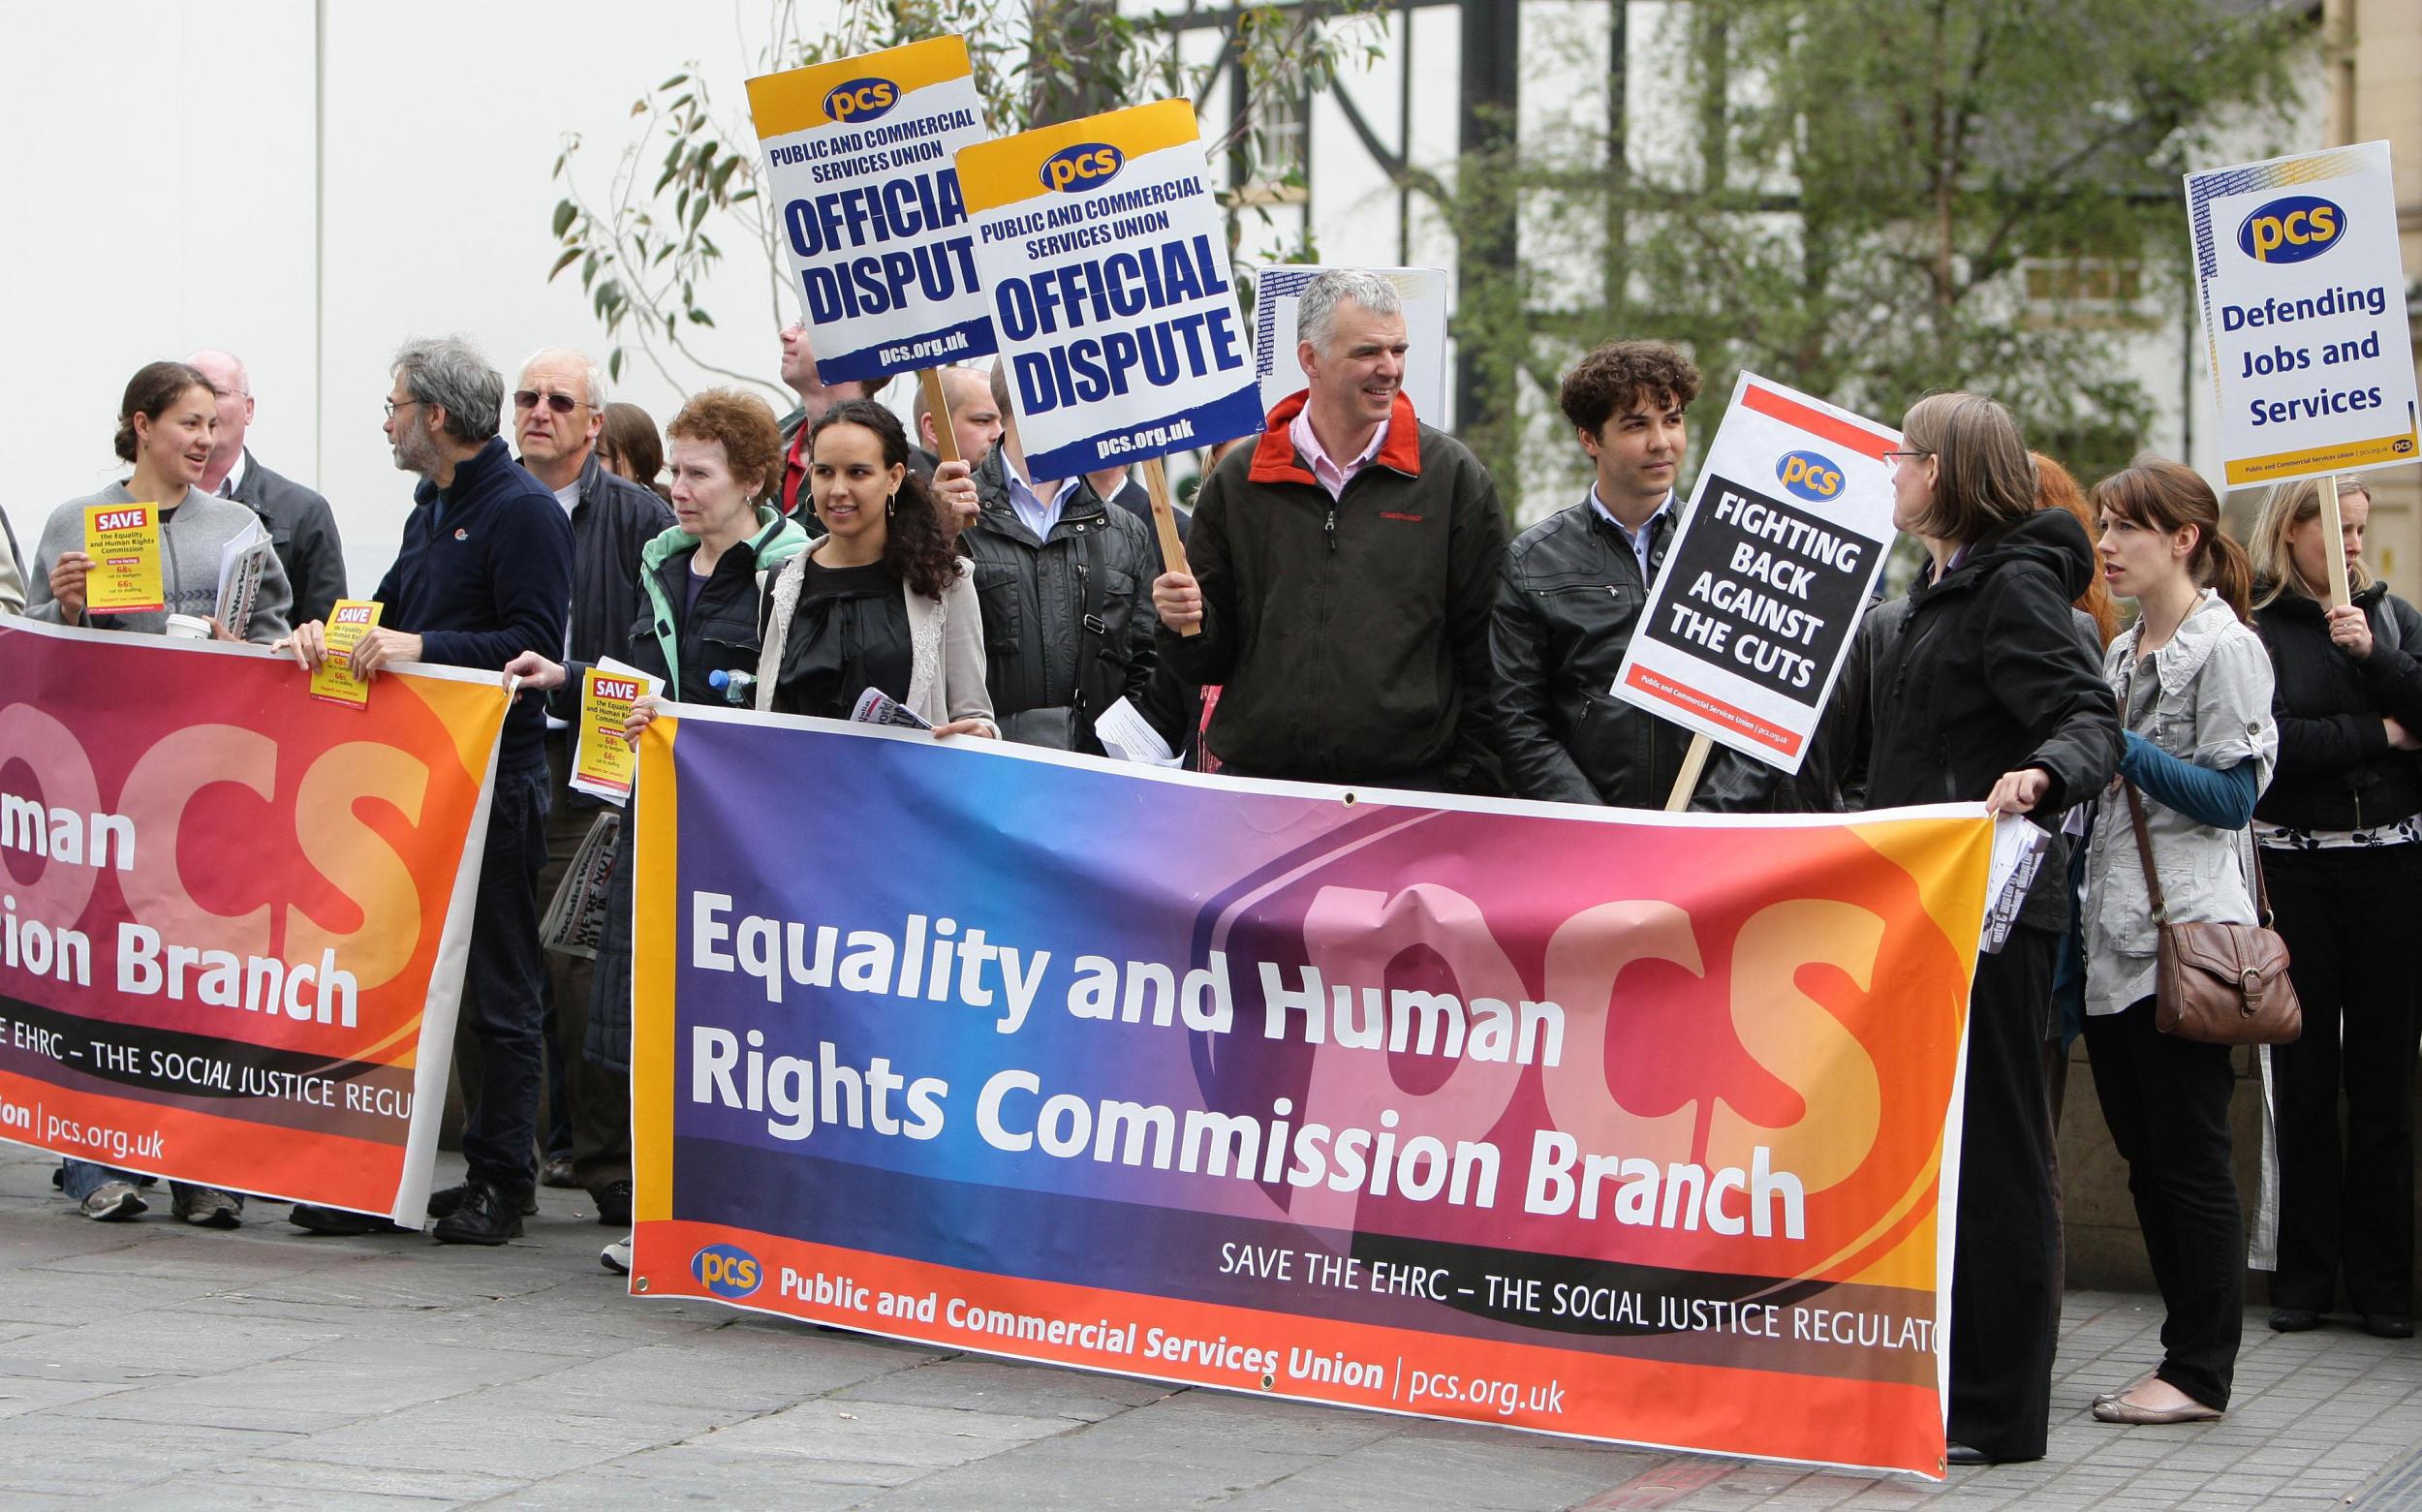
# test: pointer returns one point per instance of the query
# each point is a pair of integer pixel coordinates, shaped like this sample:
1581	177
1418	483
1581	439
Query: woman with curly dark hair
882	601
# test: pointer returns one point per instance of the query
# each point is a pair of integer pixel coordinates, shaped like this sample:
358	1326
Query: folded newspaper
876	707
576	916
240	565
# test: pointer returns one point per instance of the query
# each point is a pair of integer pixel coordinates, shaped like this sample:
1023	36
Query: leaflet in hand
2018	847
123	541
240	563
334	681
603	762
876	707
1128	735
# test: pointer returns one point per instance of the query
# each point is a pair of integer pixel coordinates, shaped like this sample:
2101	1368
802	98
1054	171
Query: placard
1767	575
2303	290
859	170
1105	255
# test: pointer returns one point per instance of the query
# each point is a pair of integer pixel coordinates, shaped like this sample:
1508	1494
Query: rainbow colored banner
1621	1126
233	917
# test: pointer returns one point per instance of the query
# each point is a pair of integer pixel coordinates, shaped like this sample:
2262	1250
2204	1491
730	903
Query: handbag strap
2153	882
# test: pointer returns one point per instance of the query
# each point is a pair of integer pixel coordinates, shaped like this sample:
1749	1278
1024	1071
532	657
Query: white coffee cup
188	627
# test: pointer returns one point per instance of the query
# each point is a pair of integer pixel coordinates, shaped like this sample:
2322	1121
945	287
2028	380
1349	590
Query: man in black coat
1061	576
559	409
302	527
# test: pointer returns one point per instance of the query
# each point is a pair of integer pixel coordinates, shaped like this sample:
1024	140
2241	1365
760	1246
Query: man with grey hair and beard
1343	567
484	572
559	411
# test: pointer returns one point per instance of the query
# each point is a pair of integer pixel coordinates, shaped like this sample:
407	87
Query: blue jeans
502	988
81	1179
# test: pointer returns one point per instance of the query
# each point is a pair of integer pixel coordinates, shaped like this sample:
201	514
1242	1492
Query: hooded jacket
1982	672
2337	770
1350	635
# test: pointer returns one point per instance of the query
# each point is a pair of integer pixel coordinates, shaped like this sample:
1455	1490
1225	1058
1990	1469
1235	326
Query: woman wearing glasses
1978	687
2339	832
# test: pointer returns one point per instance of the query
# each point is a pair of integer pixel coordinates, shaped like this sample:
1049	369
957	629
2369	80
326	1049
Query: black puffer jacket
2336	768
1068	619
1568	601
611	524
1984	672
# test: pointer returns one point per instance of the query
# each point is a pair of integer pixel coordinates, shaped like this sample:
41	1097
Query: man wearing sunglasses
558	412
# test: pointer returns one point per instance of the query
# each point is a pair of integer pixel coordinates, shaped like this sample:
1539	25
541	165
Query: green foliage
1864	185
645	244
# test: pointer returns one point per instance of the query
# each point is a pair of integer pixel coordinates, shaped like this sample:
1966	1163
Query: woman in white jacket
882	601
2194	685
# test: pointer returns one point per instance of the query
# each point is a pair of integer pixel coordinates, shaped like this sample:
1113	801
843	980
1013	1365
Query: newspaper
240	563
876	707
576	916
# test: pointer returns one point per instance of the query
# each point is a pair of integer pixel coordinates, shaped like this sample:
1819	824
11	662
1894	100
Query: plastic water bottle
739	689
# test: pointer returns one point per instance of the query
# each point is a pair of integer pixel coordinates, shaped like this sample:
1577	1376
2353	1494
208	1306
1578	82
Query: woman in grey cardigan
165	427
2193	686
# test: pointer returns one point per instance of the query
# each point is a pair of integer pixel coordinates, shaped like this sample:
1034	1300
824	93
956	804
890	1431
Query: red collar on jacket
1274	455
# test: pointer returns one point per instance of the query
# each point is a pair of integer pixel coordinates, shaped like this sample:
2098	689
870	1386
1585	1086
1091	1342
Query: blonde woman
2339	829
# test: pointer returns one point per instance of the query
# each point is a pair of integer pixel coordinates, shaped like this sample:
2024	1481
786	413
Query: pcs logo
726	1271
2291	230
860	100
1086	165
1810	476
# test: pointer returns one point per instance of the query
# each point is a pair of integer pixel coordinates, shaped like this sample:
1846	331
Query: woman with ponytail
2339	832
2193	686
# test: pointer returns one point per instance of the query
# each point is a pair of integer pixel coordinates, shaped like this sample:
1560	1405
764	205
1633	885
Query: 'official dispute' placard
2304	314
1101	250
1767	575
858	163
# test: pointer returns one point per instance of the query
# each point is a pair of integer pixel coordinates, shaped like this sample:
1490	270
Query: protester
2193	689
1057	573
1343	570
880	601
485	572
977	417
630	448
165	422
558	416
700	584
1572	592
11	571
302	527
816	399
1978	687
2339	830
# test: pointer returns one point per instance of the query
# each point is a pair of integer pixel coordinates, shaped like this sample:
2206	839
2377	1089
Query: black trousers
2006	1292
589	1108
503	993
2347	1203
2167	1103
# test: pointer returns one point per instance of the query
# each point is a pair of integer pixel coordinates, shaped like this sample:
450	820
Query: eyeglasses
392	407
1892	459
528	399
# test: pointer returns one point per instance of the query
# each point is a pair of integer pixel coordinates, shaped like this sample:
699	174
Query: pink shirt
1329	474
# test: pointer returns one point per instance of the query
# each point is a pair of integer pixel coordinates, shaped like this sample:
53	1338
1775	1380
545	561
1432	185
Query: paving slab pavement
150	1364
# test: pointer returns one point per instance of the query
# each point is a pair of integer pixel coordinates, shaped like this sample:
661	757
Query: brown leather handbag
2223	985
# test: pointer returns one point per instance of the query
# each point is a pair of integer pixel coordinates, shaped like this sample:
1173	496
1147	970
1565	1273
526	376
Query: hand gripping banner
1619	1126
233	916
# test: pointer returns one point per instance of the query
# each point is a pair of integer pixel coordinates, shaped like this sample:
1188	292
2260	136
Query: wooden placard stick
945	439
1165	523
2335	529
1685	780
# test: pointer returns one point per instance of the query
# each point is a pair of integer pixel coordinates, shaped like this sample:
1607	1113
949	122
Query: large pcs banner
2303	289
1631	1128
233	916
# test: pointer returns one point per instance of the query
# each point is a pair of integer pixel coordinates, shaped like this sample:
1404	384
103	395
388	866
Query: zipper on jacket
1329	529
1076	673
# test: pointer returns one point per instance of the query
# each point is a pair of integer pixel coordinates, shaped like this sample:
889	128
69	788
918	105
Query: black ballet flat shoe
2295	1320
